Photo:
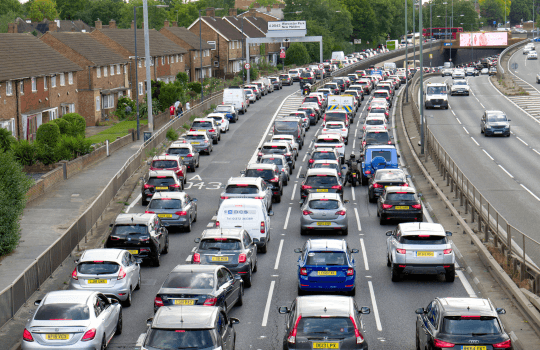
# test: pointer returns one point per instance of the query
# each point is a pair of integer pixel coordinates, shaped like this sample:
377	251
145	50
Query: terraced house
37	84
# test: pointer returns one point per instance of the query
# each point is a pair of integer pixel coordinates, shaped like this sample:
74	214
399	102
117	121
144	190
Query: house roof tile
191	39
160	45
90	48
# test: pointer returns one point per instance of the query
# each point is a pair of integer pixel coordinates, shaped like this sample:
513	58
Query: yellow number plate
135	252
473	347
325	345
324	223
326	273
57	336
425	254
404	207
184	302
203	130
220	258
182	157
97	281
162	188
165	215
322	190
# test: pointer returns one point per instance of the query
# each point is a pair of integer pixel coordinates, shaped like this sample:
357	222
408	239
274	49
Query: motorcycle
352	178
305	91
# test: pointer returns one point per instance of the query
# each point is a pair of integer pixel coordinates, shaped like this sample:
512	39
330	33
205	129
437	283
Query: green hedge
77	124
48	134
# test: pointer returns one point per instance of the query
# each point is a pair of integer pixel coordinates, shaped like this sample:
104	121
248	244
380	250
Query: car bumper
308	223
119	292
414	215
240	269
492	132
181	222
80	345
202	148
260	242
460	92
189	163
425	269
443	104
310	286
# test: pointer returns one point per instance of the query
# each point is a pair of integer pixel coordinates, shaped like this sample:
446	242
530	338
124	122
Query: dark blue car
229	111
326	265
378	157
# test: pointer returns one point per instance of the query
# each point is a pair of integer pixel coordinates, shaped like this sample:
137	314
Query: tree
297	54
156	16
7	6
105	10
41	9
69	8
494	10
521	11
6	140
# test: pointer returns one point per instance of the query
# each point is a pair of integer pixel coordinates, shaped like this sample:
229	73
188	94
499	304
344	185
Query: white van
390	66
237	97
338	55
249	214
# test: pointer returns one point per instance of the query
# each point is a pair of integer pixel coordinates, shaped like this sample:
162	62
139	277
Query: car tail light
242	258
263	228
275	179
311	160
442	344
377	185
144	250
292	336
287	154
338	146
191	129
507	344
306	212
401	251
343	129
210	301
363	143
303	271
27	335
350	271
149	212
74	274
224	197
417	206
121	274
158	301
196	258
305	187
341	212
447	251
259	197
89	335
217	224
148	186
337	187
357	334
212	130
189	155
175	186
181	213
368	172
389	142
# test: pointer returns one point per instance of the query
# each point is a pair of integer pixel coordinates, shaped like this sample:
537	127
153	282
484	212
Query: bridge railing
500	69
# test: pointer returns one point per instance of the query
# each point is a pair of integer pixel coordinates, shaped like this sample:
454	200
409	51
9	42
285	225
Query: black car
321	181
399	203
307	77
311	113
232	248
278	84
384	178
270	174
207	285
159	181
342	84
143	235
461	323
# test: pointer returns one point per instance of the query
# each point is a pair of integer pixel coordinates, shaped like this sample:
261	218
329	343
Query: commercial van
290	126
248	214
338	55
390	66
237	97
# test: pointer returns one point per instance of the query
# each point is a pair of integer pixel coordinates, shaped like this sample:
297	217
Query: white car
252	97
336	128
532	55
484	71
221	120
290	139
375	119
460	87
458	74
334	141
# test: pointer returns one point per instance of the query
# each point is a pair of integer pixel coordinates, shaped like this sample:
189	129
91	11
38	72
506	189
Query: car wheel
300	291
240	300
219	137
285	182
264	248
138	286
278	199
156	262
188	227
381	219
395	273
198	163
417	340
103	343
450	275
303	232
372	198
127	302
345	232
119	324
247	279
144	203
352	293
255	267
166	249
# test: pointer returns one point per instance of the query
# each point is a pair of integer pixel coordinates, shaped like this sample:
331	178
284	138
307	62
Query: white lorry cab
436	95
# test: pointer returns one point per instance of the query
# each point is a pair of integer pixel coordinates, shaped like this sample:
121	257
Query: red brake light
191	129
210	302
196	258
259	197
181	213
292	336
507	344
148	186
442	344
447	251
341	212
275	179
368	172
376	185
27	335
311	160
89	335
149	212
175	186
357	334
189	155
417	206
303	271
121	273
305	187
212	130
242	258
158	301
401	251
350	271
74	274
224	197
337	187
262	227
306	212
217	223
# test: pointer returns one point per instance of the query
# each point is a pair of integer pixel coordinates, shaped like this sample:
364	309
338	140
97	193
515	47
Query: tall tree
521	11
69	8
9	6
492	11
41	9
105	10
156	16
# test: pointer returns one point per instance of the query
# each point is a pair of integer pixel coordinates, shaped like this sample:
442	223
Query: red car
170	162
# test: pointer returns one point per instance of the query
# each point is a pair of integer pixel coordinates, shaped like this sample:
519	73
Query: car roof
137	219
67	297
394	189
195	268
185	317
241	202
467	306
102	254
166	157
215	114
318	196
323	149
204	133
376	116
261	166
223	232
414	228
283	136
244	180
173	195
328	136
324	161
327	244
272	156
201	119
275	144
180	144
321	171
389	147
324	305
155	173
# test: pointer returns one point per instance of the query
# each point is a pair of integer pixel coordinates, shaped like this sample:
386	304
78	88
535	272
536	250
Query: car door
425	334
225	280
136	269
107	315
267	194
222	330
129	269
249	249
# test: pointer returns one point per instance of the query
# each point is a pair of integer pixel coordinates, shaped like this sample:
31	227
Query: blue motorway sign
447	44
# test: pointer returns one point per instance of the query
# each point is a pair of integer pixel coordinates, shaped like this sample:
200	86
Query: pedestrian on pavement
172	112
179	110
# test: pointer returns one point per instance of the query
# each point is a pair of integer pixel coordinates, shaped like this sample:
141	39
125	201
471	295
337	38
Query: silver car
177	209
73	319
290	139
324	211
248	187
281	162
420	248
113	272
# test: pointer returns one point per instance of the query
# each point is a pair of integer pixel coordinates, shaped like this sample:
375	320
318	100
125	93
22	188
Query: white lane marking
304	159
532	194
214	218
293	191
279	254
358	220
210	224
375	309
487	154
459	121
268	302
188	259
355	132
536	151
135	201
525	143
468	288
364	255
287	218
140	340
298	175
466	130
481	104
507	173
354	144
472	138
353	195
453	112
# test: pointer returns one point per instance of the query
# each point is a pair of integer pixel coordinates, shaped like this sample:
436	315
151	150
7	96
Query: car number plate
165	215
402	207
195	143
202	130
437	106
326	273
473	347
498	132
425	254
324	223
220	258
162	188
320	345
181	157
134	252
57	336
97	281
322	190
184	302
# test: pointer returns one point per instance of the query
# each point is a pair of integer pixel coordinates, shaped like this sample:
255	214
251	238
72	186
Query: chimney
112	24
256	5
210	12
175	24
12	28
98	24
232	12
268	8
132	24
166	23
276	6
53	27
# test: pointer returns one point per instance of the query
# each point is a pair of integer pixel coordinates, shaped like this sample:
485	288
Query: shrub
67	148
182	78
64	125
13	185
48	134
78	124
6	139
194	86
45	153
126	108
24	152
83	146
172	135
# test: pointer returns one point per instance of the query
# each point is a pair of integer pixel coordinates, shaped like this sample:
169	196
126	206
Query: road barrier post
486	226
508	242
523	272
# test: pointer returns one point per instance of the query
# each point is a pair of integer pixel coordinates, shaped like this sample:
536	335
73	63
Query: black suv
270	174
342	84
307	77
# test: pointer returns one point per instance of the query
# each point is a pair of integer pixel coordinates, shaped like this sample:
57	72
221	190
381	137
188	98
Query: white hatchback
221	120
334	141
336	128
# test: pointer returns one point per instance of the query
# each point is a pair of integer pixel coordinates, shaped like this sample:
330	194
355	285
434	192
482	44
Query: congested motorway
391	323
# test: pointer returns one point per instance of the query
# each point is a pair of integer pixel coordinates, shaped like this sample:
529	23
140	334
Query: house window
120	94
52	114
98	104
70	78
125	69
9	125
98	72
129	93
9	88
118	69
62	79
108	101
237	44
181	58
34	84
53	81
213	43
140	64
112	70
141	91
45	87
168	60
21	87
176	58
105	71
162	60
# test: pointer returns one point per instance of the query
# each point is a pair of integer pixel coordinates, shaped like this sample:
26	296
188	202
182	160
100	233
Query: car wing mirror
233	320
298	250
76	261
149	321
354	251
283	310
243	172
194	199
364	310
271	213
237	277
420	311
346	201
197	240
148	162
389	233
111	225
139	261
501	311
114	301
449	233
37	302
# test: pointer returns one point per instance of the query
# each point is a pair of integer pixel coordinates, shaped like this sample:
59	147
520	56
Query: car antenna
325	309
182	315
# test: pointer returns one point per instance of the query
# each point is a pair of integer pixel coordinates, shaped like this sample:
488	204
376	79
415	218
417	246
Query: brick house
104	77
249	31
272	50
192	43
37	84
167	58
269	13
227	39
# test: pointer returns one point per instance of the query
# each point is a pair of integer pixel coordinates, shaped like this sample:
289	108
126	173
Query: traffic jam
195	305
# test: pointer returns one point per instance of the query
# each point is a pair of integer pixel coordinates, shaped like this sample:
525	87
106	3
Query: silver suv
248	187
420	248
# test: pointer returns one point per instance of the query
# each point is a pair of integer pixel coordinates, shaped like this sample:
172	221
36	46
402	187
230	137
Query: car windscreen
242	189
460	83
496	118
124	230
169	339
311	99
335	116
377	137
165	203
330	86
481	325
401	196
282	125
323	204
178	151
195	137
160	181
284	76
266	174
326	258
222	109
431	90
164	164
217	119
249	92
325	327
62	312
195	280
305	75
422	239
220	244
323	155
276	161
321	181
374	122
202	125
380	94
98	267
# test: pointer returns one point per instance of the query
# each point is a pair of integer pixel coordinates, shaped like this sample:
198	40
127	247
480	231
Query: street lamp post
430	33
421	84
406	57
414	33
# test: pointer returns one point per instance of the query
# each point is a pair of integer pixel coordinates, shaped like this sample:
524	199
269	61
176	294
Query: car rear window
264	173
389	176
311	99
323	204
180	339
164	164
380	94
321	181
290	125
194	137
284	76
324	155
276	161
217	119
326	258
63	311
405	196
334	126
293	71
422	239
178	151
471	325
124	230
326	166
222	109
377	137
160	181
165	203
201	125
321	327
242	189
98	267
374	122
387	155
305	75
327	140
201	280
220	244
274	149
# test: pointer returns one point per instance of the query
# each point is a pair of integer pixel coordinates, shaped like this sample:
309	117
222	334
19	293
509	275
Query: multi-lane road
391	324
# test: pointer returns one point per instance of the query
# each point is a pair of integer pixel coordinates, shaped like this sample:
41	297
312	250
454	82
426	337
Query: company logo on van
232	212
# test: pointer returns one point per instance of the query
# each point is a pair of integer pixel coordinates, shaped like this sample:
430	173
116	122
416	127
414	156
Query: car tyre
166	249
138	286
301	292
381	219
372	198
345	232
188	227
247	279
395	273
278	199
450	275
255	267
264	248
103	343
352	293
119	324
156	261
240	300
144	203
127	302
388	262
303	232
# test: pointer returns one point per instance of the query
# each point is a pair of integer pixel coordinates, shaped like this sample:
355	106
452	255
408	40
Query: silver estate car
113	272
247	187
420	248
177	209
73	319
324	211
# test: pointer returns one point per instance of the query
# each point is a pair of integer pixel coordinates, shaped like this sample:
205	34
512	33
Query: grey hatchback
177	209
324	211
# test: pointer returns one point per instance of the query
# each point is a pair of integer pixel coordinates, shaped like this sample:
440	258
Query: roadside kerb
500	69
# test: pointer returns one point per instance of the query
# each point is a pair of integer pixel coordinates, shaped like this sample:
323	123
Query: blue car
326	265
378	157
229	110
